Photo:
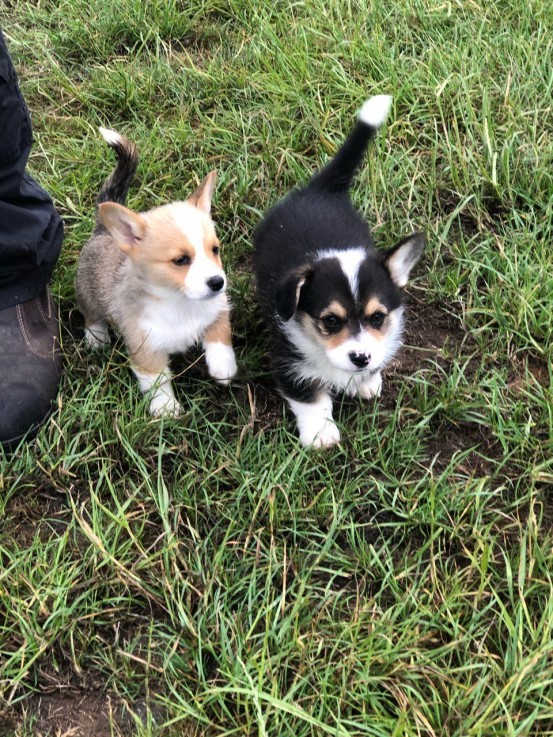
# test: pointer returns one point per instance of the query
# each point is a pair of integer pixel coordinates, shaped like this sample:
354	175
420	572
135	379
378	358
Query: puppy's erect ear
201	198
401	258
126	226
288	295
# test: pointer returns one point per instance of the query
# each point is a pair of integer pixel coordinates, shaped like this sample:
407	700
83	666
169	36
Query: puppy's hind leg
219	355
96	334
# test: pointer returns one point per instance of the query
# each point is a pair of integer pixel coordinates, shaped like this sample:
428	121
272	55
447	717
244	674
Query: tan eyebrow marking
312	328
335	308
374	305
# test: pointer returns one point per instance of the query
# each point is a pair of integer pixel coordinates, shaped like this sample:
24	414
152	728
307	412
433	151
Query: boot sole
10	444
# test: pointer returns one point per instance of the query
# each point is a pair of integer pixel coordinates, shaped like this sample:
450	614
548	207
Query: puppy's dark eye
215	250
332	322
182	260
376	319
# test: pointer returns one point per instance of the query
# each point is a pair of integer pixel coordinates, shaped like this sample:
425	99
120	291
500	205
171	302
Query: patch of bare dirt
79	714
44	513
482	451
436	335
72	710
528	366
8	722
431	333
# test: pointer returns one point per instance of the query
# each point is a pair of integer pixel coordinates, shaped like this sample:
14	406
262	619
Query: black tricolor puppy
333	301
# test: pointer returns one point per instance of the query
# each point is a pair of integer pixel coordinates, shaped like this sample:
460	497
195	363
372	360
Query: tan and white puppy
157	278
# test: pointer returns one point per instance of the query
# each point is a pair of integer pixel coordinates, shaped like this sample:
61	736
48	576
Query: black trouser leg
31	231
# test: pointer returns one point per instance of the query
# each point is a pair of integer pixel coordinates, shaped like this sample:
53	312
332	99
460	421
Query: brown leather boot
30	367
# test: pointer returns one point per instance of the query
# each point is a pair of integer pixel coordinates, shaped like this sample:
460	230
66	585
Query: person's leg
31	233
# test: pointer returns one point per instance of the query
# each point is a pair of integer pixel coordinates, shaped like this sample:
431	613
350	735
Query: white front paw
221	362
372	387
315	423
164	405
320	437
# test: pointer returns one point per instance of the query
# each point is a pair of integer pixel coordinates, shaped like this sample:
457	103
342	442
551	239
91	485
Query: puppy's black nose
359	359
215	283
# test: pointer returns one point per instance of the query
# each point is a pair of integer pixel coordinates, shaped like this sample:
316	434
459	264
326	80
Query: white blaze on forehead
350	261
190	222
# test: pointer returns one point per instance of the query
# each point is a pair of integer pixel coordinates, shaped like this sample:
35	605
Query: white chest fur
173	324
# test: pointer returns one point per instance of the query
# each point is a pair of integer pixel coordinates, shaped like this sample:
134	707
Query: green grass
208	574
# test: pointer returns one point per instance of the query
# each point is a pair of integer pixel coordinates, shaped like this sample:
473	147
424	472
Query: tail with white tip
116	186
338	174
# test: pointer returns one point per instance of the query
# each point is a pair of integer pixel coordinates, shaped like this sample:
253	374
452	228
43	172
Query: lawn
208	575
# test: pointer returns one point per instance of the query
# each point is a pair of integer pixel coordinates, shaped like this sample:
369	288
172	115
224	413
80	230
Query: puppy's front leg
154	377
219	355
371	387
315	423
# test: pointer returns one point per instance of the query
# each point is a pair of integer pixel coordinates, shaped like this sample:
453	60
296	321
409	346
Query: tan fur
327	340
209	245
220	331
377	334
127	227
336	339
374	305
201	198
335	308
149	363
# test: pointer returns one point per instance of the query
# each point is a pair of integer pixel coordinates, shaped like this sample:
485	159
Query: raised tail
337	175
116	186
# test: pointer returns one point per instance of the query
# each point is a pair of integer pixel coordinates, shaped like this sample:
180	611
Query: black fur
337	176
